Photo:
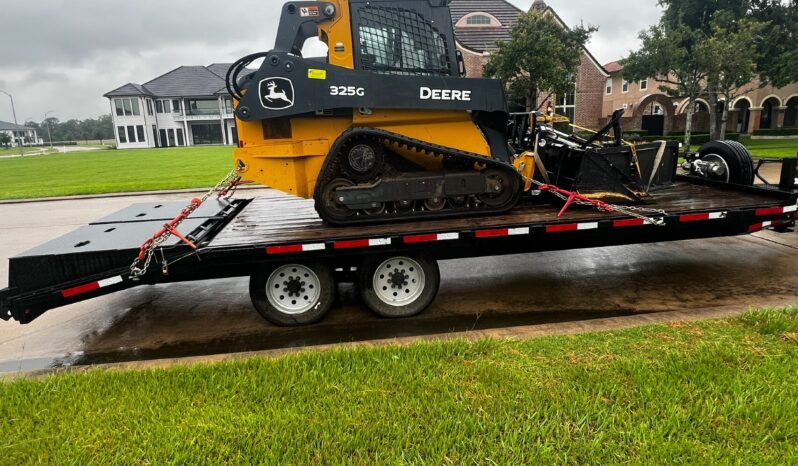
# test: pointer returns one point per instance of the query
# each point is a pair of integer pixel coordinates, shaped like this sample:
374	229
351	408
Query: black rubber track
328	173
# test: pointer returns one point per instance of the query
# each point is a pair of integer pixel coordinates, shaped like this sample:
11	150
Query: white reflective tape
448	236
791	208
518	231
587	226
109	281
313	247
717	215
380	242
766	224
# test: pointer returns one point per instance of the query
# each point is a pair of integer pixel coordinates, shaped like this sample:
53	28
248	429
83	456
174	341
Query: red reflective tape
420	238
358	243
492	233
80	289
770	211
632	222
761	226
559	228
284	249
693	217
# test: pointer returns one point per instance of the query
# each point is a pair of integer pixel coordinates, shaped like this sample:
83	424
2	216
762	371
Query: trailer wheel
735	159
292	294
399	286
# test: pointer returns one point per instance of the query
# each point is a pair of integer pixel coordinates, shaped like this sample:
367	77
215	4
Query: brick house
759	108
479	24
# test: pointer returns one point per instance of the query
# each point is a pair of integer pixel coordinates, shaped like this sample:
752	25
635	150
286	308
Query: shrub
695	139
777	132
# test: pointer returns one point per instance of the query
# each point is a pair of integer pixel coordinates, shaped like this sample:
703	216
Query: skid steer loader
387	127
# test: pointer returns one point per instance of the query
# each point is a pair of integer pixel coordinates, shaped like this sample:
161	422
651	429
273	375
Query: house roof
187	81
613	67
484	38
539	5
219	69
6	126
129	89
184	81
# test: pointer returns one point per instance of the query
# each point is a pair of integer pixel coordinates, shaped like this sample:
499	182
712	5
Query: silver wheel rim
718	159
399	281
293	289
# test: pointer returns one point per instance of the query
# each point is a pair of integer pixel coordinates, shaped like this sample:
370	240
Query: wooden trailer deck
290	220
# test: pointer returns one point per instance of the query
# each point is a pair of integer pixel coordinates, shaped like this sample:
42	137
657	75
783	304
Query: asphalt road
500	292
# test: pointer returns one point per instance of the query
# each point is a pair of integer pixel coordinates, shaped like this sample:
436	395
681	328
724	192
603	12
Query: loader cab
410	37
404	37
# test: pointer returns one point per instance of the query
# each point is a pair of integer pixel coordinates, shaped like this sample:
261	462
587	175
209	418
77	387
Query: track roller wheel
504	186
435	204
457	202
292	294
376	211
399	286
332	206
404	206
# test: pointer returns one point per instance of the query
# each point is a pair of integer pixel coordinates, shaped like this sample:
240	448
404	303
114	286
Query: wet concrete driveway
216	316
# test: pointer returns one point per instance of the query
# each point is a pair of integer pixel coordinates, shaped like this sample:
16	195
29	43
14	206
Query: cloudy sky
62	55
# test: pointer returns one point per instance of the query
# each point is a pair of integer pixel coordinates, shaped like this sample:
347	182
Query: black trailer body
239	237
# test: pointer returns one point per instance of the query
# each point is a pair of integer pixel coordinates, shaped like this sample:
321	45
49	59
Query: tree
667	55
540	58
778	50
731	55
78	130
5	140
702	47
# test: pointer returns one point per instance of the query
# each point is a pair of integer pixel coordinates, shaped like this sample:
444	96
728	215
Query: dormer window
478	19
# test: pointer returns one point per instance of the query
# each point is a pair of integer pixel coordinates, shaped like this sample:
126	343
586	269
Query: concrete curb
507	333
130	194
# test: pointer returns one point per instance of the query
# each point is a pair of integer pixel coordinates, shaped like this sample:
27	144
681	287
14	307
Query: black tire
736	156
310	302
410	298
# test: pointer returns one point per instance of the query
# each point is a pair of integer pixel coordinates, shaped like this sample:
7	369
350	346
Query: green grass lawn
112	171
716	392
768	147
773	147
107	171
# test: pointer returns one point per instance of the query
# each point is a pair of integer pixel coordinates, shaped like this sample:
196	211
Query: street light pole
50	137
14	111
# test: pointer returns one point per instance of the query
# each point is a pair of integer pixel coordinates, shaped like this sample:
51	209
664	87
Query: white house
188	106
20	134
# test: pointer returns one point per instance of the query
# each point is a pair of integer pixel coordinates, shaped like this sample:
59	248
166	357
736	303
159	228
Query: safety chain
571	197
224	189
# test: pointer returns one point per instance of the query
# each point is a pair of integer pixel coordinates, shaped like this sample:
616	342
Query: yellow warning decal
317	74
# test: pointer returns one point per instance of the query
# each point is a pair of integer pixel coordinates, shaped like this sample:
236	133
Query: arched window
478	19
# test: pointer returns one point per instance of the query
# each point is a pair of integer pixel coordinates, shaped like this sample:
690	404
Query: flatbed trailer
268	236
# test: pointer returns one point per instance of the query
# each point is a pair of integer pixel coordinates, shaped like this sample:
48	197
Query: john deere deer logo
276	93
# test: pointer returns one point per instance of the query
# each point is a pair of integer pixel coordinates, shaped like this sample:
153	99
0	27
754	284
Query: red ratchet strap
171	228
574	196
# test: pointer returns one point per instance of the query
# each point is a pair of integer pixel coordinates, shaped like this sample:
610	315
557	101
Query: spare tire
736	157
